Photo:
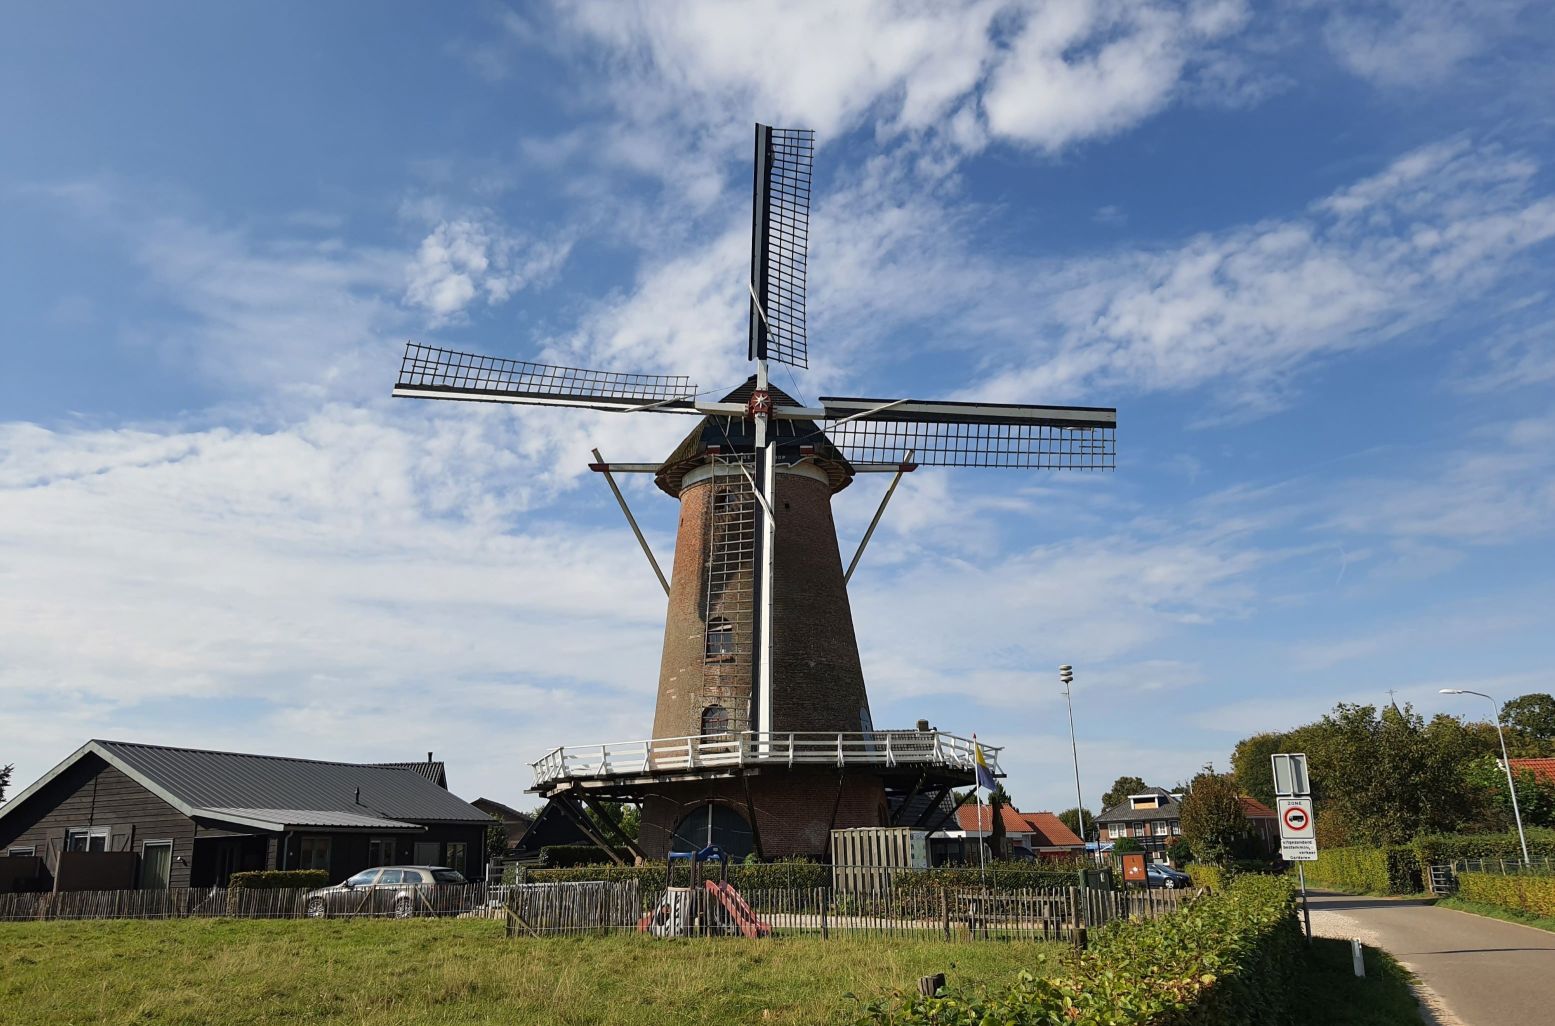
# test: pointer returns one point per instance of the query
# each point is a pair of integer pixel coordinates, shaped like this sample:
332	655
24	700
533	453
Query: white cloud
465	260
1415	42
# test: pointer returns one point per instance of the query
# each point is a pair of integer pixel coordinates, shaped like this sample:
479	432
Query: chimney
429	757
358	796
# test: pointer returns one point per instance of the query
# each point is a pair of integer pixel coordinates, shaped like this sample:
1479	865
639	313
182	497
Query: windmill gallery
762	738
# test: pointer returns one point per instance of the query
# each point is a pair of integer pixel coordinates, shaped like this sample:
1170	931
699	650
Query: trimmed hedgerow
565	856
1533	893
996	876
1388	870
274	879
1439	849
1222	960
754	876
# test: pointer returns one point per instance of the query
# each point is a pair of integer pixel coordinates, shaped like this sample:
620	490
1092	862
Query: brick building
1153	818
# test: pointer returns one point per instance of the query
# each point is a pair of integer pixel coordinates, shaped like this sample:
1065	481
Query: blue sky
1304	249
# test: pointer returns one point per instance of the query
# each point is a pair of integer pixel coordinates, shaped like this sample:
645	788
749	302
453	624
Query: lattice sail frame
962	444
431	370
780	241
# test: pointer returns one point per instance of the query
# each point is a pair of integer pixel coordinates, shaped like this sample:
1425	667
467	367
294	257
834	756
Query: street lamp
1506	762
1066	676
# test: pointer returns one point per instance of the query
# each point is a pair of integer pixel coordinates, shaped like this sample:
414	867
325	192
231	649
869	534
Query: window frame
159	842
89	832
22	851
720	627
307	843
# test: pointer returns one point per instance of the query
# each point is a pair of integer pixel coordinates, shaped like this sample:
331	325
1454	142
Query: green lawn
1510	915
217	972
1331	994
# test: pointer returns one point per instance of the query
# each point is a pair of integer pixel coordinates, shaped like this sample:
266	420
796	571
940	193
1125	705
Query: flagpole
982	859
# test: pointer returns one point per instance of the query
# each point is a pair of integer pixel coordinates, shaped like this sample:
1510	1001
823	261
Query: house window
28	850
156	865
720	640
1176	828
715	720
427	853
380	851
456	855
315	853
86	839
1139	830
1159	826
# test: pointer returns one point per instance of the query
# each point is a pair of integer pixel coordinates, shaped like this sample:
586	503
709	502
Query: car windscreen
448	876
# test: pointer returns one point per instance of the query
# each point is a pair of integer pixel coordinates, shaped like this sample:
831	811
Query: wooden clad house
117	814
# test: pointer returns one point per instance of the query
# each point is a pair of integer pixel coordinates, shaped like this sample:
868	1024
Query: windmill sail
954	434
429	372
780	235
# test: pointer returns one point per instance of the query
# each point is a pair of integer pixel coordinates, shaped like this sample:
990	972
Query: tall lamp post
1506	763
1066	675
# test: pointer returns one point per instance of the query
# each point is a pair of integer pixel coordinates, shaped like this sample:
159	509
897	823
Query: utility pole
1506	764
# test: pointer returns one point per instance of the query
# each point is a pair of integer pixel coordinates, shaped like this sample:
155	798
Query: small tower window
715	720
720	640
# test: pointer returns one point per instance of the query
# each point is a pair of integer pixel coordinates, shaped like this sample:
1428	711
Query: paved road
1485	972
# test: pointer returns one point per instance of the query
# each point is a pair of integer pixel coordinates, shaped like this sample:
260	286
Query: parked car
1158	875
400	891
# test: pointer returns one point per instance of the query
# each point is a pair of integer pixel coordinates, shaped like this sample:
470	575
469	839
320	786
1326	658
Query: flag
985	778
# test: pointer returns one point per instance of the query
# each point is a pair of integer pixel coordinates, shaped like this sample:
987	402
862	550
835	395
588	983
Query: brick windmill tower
762	739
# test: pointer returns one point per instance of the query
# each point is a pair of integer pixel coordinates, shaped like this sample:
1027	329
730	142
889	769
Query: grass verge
435	972
1330	993
1510	915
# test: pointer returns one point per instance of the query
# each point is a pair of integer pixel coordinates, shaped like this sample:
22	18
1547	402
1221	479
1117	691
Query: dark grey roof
1122	813
294	792
432	770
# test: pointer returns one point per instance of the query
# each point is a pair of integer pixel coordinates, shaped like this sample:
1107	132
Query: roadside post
1298	830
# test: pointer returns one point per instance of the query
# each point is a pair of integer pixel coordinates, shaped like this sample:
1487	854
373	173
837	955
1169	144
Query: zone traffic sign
1298	838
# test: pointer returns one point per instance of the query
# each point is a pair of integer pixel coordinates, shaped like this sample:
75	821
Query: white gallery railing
668	754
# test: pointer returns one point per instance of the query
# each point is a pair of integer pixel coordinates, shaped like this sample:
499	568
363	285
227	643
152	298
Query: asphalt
1475	971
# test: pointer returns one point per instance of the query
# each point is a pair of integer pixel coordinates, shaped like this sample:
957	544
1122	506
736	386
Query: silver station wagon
399	891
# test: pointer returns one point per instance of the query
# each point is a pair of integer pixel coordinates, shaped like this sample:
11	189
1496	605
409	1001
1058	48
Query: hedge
1389	870
755	876
565	856
996	876
1533	893
1439	849
1205	875
270	879
1222	960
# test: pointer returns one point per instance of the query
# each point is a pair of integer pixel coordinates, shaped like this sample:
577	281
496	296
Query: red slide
735	905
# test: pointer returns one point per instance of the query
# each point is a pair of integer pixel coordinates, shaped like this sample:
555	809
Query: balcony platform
619	768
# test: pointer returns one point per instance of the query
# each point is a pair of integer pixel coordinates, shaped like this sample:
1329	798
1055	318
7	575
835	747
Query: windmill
760	679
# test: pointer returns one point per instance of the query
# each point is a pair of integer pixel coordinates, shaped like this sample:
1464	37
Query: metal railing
863	748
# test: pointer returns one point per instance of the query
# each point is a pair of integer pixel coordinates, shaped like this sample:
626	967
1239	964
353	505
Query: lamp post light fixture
1066	676
1506	763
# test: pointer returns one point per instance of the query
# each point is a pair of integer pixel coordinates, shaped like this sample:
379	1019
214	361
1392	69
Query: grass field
220	972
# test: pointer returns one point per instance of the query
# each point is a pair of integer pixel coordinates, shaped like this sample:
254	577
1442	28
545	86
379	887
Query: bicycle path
1484	971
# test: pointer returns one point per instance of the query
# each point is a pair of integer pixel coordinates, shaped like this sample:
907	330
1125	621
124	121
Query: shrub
1439	849
1386	870
1533	893
565	856
1212	877
271	879
1220	960
747	877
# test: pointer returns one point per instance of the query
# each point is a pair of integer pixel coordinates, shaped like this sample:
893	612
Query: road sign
1290	775
1298	836
1134	869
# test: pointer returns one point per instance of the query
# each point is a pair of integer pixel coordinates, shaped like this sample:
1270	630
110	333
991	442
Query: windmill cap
796	440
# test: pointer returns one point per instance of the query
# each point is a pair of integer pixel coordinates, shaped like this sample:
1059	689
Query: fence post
944	908
825	905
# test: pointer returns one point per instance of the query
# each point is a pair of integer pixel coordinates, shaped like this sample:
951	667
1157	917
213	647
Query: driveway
1483	972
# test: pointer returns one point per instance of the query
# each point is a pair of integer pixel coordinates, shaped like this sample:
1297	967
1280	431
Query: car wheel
1171	884
315	908
403	907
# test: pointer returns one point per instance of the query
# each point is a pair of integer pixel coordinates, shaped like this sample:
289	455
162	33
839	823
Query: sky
1304	248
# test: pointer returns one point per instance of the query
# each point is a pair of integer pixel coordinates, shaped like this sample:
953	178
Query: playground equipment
704	906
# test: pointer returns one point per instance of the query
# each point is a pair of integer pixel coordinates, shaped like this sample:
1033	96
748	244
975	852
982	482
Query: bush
1533	893
1212	877
651	878
1439	849
1222	960
1388	870
272	879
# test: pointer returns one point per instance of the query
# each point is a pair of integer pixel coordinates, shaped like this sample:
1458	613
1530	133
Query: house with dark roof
1029	834
181	817
1153	818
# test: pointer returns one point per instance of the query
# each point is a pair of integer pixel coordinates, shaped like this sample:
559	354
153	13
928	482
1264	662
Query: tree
1071	819
626	817
1126	846
5	779
1179	851
1212	818
1535	794
496	839
1252	768
998	798
1120	790
1530	726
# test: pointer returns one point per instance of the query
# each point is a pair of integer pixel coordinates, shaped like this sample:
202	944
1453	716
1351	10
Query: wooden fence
952	913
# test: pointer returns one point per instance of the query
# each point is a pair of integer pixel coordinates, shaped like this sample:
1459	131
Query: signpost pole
1306	909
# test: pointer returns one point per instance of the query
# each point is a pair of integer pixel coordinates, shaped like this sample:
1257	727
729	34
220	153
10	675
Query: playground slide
738	910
